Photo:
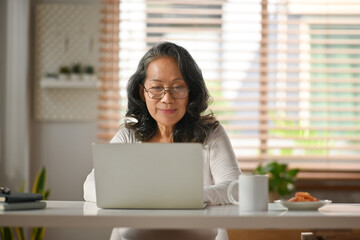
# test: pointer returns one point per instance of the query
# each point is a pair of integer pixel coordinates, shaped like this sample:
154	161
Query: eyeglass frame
5	190
165	91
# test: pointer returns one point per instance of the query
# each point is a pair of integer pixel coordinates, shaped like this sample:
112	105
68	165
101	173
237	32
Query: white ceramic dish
303	205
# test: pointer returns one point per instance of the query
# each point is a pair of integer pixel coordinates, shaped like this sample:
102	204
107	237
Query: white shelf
69	83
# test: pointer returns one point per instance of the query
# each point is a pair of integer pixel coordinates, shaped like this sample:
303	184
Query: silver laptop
149	175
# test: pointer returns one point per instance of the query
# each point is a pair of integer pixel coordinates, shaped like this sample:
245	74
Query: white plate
303	205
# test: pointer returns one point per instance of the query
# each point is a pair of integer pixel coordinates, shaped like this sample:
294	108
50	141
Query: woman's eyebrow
156	80
176	79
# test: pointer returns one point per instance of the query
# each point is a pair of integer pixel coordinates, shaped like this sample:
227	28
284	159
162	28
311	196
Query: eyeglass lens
176	92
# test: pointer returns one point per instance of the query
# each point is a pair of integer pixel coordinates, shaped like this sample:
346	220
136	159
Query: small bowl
303	206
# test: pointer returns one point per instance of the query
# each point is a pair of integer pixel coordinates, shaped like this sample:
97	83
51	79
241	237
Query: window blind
109	97
284	75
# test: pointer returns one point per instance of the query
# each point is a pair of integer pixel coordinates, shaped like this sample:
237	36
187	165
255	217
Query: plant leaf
293	172
38	233
22	188
40	187
6	233
1	232
46	194
40	182
20	233
281	179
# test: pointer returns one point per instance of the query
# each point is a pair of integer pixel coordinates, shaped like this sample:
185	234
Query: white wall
64	148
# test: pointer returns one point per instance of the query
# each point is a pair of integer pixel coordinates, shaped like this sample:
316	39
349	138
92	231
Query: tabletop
85	214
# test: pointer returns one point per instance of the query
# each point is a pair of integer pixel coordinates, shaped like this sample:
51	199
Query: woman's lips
168	111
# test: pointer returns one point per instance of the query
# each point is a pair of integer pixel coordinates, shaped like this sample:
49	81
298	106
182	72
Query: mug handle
229	192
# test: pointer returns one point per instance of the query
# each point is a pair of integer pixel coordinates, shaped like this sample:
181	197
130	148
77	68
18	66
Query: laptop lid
149	175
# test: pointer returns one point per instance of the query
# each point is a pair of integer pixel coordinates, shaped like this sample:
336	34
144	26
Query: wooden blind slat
294	159
239	39
354	100
288	80
239	50
286	108
212	21
108	61
295	147
291	137
268	118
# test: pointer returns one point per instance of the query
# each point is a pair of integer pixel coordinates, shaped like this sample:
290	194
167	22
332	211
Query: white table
81	214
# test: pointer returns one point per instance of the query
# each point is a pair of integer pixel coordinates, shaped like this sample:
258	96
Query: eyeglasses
5	190
159	92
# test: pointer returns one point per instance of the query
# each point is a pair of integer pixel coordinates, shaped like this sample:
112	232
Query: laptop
149	175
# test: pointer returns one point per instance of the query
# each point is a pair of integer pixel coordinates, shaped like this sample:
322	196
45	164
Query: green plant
39	186
76	68
64	70
281	179
89	70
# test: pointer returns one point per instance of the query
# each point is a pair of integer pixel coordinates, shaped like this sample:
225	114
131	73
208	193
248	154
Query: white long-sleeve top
219	162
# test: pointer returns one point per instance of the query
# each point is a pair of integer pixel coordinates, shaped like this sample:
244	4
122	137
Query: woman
167	98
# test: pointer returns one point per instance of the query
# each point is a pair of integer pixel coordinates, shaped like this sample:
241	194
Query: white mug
253	192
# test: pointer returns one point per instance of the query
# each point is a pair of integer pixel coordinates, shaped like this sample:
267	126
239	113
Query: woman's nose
167	98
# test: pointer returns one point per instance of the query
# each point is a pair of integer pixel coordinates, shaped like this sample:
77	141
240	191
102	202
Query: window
284	75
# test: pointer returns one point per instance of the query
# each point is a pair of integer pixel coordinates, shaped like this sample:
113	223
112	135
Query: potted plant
281	179
64	72
89	74
37	233
76	71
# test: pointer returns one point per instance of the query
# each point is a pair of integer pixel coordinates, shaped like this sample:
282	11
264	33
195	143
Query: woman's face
164	73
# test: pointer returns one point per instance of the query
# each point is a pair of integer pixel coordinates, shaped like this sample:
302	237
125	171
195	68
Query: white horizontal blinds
299	96
109	97
284	75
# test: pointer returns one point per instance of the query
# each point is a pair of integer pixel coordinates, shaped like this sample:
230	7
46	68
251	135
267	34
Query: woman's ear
141	92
